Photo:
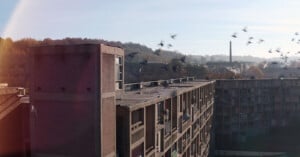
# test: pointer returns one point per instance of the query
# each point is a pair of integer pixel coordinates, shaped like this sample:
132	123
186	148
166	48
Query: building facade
170	120
72	94
246	108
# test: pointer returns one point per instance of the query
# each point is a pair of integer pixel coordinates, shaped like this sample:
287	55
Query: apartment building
79	106
246	108
165	118
14	122
72	94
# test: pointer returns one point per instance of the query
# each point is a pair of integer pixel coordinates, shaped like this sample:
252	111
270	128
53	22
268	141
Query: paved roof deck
150	95
10	100
8	90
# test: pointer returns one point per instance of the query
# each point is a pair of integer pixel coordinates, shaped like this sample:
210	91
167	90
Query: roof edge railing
165	83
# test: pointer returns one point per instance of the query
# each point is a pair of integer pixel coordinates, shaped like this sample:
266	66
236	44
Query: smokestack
230	53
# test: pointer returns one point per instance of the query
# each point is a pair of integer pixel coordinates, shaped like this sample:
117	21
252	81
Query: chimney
230	53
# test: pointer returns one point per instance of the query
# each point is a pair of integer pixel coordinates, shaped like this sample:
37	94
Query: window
119	72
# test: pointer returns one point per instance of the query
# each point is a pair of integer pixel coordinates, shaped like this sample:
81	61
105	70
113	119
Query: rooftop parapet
164	83
146	93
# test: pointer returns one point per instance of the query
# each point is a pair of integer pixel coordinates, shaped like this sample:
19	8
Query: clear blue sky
204	27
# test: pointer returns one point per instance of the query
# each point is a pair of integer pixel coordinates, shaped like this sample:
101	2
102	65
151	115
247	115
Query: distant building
281	72
235	67
170	121
246	108
73	99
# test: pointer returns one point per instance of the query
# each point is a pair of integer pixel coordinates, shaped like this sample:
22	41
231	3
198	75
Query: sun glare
12	24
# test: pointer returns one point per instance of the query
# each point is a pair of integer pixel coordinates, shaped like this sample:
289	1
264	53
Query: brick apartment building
72	94
81	108
246	108
173	120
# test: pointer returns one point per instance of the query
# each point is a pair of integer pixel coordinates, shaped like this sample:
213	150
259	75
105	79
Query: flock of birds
250	40
282	54
161	44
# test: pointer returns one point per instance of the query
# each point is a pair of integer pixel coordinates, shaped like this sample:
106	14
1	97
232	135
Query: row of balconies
195	132
195	148
170	133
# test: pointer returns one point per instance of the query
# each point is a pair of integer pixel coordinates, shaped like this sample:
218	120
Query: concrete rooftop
150	95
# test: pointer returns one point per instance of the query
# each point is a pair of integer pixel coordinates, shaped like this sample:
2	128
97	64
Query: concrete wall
108	105
73	94
109	127
109	66
248	108
65	96
108	73
150	127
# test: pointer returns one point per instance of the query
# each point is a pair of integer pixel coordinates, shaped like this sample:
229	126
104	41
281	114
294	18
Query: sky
203	27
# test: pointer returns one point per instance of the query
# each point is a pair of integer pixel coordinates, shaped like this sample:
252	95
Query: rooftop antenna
230	53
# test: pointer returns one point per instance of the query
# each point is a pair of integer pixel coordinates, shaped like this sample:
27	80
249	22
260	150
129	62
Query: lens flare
11	26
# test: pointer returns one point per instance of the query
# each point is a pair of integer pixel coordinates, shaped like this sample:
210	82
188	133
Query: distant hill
155	64
135	53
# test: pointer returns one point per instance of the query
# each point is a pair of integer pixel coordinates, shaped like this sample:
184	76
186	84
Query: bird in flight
161	44
234	35
250	38
245	29
270	51
261	41
249	42
173	36
293	39
170	45
296	33
278	50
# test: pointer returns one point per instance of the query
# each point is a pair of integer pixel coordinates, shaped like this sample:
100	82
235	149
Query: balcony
167	128
196	130
136	125
180	146
184	143
168	142
137	134
174	136
197	115
185	125
150	152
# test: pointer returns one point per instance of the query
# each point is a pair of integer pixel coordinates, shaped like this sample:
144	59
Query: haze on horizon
204	27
